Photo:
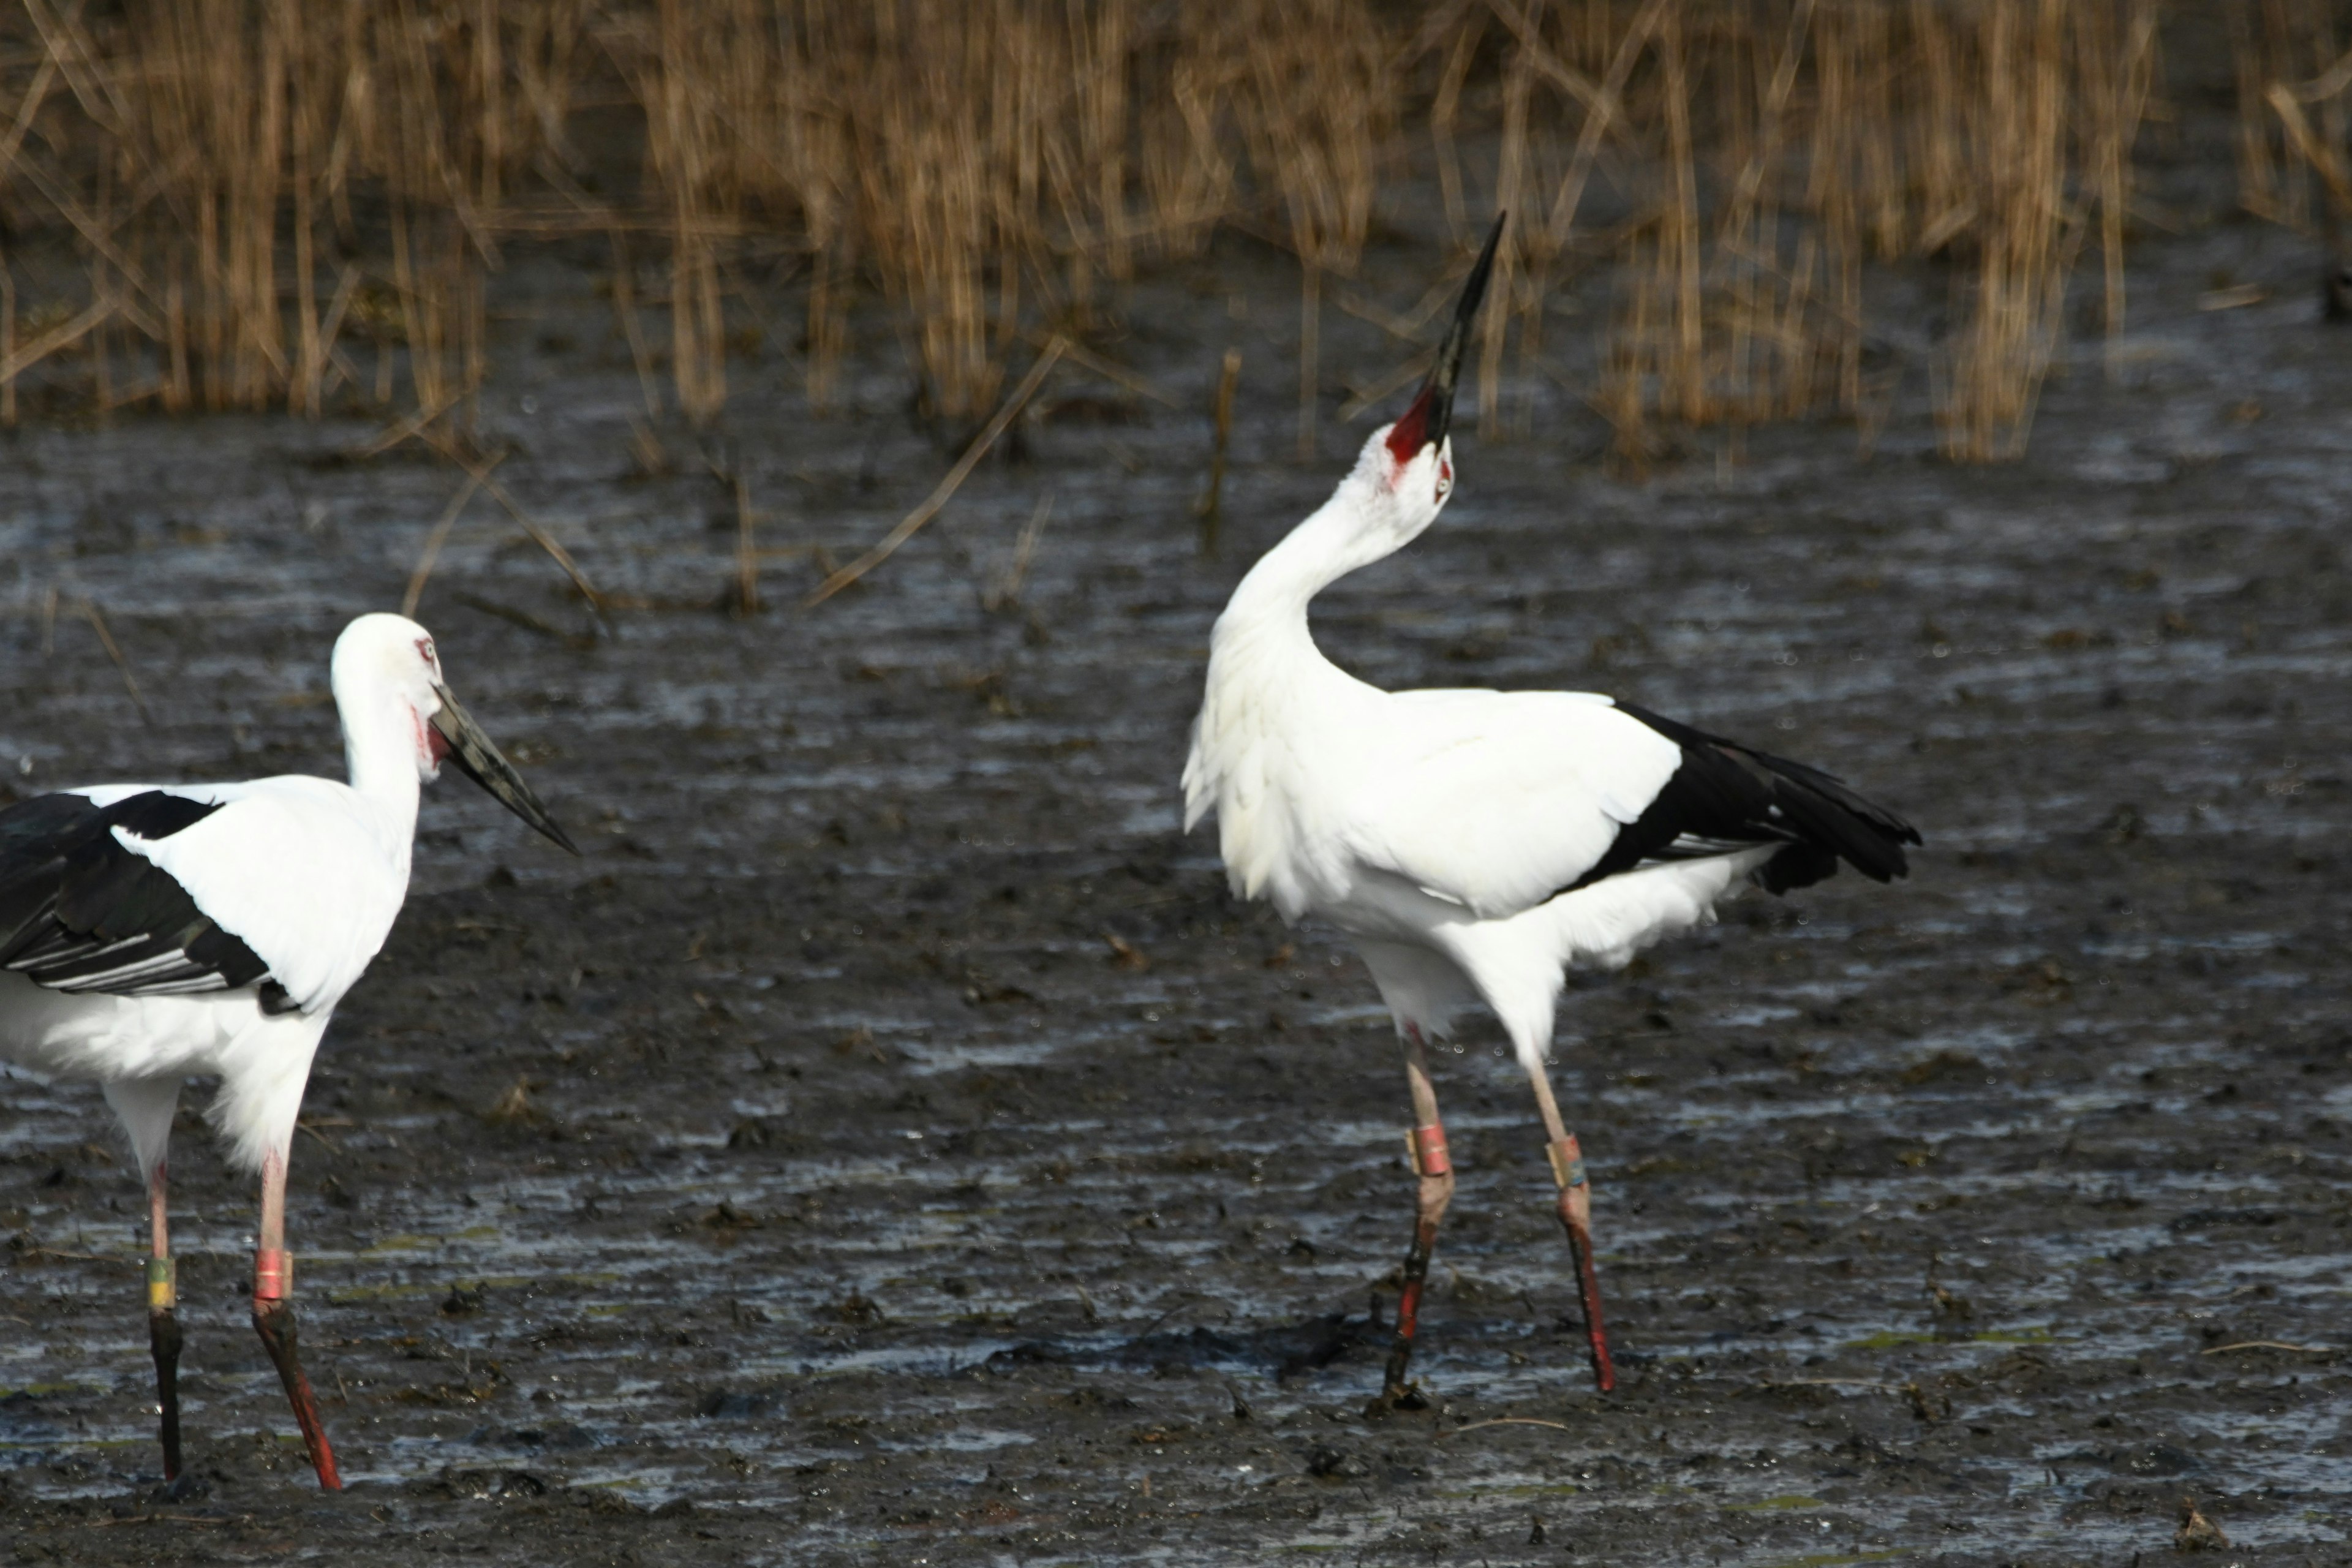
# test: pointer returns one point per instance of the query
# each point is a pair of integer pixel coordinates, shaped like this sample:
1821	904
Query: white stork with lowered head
149	932
1474	845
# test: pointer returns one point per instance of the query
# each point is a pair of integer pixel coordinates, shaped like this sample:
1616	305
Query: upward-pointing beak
478	756
1436	400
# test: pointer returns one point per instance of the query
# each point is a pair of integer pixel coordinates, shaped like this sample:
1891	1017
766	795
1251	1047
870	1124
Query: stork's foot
163	1340
273	1319
1398	1392
1433	1189
1397	1397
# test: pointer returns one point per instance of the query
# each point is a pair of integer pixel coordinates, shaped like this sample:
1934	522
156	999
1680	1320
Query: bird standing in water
151	932
1475	844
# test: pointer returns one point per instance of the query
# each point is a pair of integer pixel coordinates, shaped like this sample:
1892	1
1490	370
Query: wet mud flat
891	1143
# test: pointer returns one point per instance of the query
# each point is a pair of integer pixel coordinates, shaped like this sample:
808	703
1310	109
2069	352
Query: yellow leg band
162	1285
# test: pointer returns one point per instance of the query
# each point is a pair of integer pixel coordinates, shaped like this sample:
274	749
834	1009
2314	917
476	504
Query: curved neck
1334	540
380	750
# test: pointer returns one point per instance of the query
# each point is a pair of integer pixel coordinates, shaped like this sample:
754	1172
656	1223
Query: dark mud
891	1145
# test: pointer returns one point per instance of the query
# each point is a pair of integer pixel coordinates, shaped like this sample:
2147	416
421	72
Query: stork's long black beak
1436	403
481	761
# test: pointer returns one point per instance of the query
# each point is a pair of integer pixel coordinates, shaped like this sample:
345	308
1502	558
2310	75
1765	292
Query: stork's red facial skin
1407	439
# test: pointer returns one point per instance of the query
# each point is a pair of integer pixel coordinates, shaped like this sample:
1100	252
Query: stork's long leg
1425	1144
273	1318
1576	1215
164	1319
145	1106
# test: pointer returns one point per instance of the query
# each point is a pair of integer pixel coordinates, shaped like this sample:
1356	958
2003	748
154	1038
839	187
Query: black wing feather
1724	796
80	912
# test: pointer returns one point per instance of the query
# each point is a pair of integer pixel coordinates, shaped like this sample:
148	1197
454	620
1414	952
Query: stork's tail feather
1831	822
1724	795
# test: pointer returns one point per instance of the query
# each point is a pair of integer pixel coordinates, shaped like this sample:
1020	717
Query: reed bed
2294	61
249	204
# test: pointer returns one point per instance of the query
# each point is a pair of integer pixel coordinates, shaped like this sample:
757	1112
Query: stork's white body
1436	829
310	873
149	933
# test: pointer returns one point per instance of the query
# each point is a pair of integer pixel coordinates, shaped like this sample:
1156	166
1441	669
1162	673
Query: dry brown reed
912	523
2294	73
1761	155
266	203
1211	507
2275	45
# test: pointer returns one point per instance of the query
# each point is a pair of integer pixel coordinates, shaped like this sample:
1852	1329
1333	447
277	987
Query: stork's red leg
273	1319
1575	1217
1425	1147
163	1320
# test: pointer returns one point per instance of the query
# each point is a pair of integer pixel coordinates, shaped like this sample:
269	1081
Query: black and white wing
1723	798
79	911
1503	801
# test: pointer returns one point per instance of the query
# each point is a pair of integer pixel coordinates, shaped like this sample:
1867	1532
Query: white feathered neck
1273	704
383	741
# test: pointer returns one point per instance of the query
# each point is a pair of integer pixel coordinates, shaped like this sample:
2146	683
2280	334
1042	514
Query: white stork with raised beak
1475	844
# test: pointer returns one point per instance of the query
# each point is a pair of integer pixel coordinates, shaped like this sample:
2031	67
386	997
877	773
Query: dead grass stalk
242	204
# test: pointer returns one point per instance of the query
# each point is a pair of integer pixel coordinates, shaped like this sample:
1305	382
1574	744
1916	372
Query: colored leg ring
273	1275
1567	1162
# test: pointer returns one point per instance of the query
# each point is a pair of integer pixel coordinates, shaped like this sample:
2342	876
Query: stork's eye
1444	481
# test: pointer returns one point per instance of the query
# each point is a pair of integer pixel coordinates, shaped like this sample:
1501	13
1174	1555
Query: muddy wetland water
891	1145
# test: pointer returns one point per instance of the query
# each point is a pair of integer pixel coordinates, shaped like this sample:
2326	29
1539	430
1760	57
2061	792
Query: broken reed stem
414	423
20	359
1005	589
1381	390
1211	507
747	554
624	310
1005	414
1507	1421
2325	161
481	472
106	638
7	341
1116	374
439	536
1310	349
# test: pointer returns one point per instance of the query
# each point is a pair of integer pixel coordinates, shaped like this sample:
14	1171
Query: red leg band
273	1275
1425	1146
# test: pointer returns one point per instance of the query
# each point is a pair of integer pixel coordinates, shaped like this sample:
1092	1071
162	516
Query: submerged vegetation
244	203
